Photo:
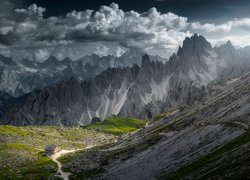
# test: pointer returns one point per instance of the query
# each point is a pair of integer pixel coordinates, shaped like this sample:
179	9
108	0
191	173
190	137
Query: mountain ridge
139	92
19	78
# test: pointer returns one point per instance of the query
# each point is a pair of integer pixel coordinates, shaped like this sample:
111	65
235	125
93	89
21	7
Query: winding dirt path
60	173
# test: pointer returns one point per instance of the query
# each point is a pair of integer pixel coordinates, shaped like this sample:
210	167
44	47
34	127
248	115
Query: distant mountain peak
194	46
145	60
229	43
67	60
196	40
227	47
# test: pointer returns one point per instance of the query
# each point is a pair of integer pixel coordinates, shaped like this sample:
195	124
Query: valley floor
22	148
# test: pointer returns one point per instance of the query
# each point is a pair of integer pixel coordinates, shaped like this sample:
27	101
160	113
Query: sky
37	29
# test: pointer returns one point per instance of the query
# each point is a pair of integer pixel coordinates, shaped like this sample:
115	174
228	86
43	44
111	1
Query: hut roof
51	147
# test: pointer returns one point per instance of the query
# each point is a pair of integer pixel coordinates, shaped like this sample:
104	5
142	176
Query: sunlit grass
118	125
21	148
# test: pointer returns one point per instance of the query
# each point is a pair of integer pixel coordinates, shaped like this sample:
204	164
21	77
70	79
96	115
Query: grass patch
159	117
118	125
14	130
21	148
25	165
40	136
40	169
219	82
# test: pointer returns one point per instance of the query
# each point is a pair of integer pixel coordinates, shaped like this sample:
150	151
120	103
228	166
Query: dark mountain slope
6	101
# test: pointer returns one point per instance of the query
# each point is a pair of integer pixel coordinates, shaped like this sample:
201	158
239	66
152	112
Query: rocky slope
6	101
140	92
209	140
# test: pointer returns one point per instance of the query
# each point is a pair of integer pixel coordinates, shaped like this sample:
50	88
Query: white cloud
42	54
110	30
109	24
237	41
101	50
33	12
225	27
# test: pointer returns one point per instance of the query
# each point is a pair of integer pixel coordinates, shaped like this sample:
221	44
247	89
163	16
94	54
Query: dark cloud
109	23
213	11
8	39
152	31
6	6
83	36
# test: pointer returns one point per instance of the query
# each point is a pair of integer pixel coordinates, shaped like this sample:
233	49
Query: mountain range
140	91
20	77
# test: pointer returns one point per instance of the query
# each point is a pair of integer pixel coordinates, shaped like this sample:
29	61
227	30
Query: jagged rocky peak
227	48
145	60
192	56
24	76
195	45
229	44
51	61
67	60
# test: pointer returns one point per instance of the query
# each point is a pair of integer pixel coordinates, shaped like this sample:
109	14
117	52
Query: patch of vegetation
219	82
118	125
21	148
14	130
161	116
40	136
23	162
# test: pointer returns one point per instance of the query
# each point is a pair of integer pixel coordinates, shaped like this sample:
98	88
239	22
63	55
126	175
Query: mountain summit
194	46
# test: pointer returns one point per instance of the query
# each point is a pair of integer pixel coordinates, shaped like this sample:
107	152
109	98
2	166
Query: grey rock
95	120
19	78
135	91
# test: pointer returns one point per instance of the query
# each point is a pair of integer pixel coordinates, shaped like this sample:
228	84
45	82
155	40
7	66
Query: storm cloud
83	32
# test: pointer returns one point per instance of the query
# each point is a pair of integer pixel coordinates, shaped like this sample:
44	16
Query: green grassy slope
118	125
21	148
